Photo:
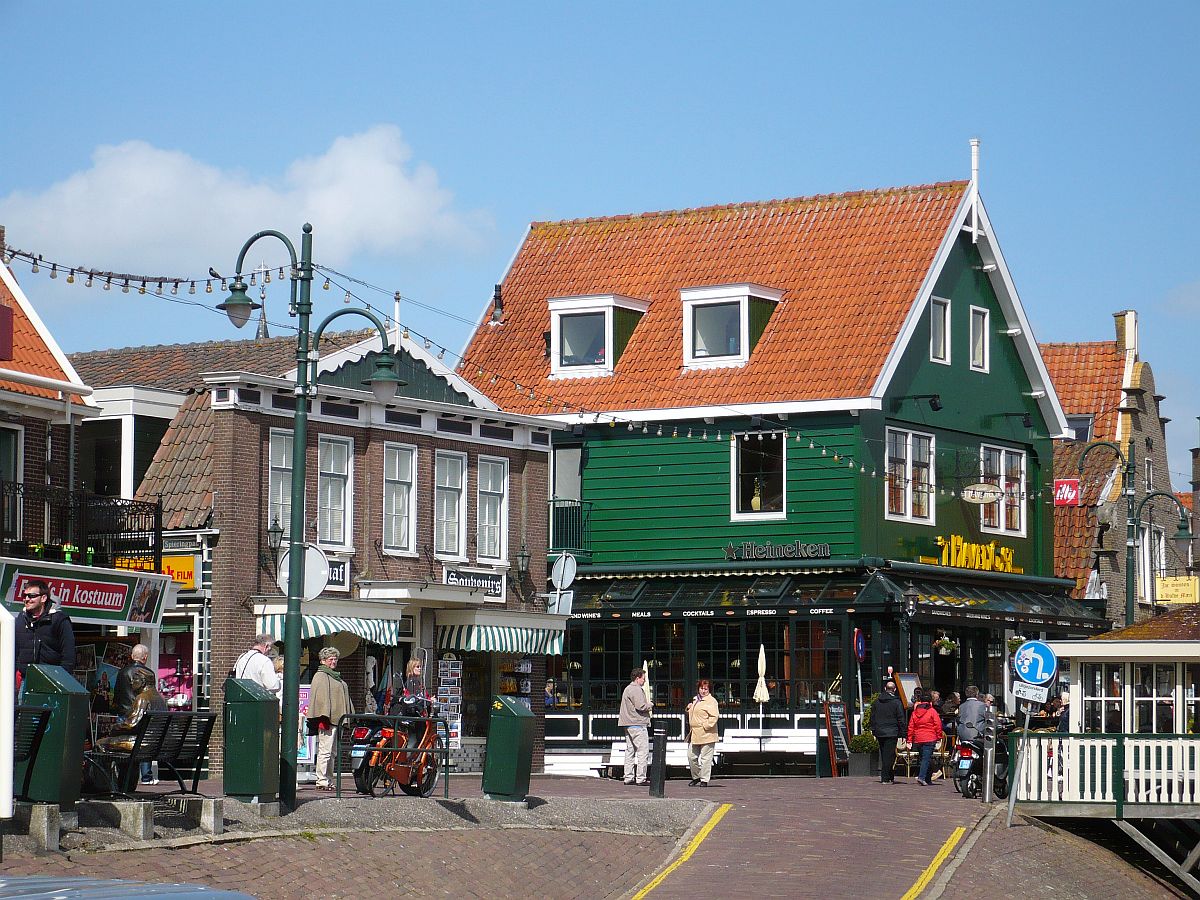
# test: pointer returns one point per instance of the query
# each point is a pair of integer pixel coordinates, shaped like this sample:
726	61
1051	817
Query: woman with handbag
924	731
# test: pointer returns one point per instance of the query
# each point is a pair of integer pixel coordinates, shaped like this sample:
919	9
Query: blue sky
156	138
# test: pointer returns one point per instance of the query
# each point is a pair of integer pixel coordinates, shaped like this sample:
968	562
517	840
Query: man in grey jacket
971	715
635	719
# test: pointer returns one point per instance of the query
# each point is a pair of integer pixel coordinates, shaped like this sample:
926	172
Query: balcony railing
570	528
57	525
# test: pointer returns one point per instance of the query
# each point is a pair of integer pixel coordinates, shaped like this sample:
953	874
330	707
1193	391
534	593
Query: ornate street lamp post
238	306
1133	520
908	609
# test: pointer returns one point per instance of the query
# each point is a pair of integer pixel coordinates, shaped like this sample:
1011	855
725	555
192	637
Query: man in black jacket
43	635
888	723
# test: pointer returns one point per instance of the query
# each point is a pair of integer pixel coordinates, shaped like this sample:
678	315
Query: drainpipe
975	190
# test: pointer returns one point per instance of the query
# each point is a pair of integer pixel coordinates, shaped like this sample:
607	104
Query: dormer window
722	324
587	334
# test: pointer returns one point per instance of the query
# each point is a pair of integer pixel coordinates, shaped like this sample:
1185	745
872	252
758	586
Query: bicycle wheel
427	783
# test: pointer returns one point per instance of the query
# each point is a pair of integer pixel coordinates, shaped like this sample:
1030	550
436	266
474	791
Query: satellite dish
316	572
562	573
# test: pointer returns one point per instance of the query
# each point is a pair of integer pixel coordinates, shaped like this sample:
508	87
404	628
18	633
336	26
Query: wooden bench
174	740
30	728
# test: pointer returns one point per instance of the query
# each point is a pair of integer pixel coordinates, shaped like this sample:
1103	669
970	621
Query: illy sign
1066	491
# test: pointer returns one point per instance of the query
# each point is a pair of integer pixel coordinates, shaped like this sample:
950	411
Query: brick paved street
783	837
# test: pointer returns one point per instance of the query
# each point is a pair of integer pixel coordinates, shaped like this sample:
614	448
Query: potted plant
1015	642
945	645
864	749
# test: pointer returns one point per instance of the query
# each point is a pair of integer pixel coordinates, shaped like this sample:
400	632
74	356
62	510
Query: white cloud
144	209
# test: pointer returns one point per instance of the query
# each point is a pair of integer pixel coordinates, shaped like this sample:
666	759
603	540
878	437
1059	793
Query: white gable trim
355	352
43	332
1010	306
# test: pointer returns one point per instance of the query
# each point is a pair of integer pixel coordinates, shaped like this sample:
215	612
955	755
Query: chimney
1127	331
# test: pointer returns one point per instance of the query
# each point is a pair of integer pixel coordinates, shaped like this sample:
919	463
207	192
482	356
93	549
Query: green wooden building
784	415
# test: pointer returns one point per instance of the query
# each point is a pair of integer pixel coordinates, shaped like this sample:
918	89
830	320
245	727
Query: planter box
863	765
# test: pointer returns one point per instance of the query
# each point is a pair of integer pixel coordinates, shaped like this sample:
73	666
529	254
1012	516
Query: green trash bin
58	769
251	741
509	754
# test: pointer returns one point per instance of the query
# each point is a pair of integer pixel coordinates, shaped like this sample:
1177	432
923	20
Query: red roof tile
1185	499
1088	378
851	266
1075	526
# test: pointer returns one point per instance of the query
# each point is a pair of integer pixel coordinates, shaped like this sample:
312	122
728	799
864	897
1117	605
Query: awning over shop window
501	631
967	603
377	631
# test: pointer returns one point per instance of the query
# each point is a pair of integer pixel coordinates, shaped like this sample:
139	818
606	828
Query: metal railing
570	526
397	743
57	525
1147	771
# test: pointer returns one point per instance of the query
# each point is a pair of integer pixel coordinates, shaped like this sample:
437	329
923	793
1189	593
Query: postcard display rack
516	680
449	698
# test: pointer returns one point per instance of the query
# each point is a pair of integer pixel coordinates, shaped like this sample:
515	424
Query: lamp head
384	382
1027	420
910	597
523	561
1183	536
275	535
935	402
238	305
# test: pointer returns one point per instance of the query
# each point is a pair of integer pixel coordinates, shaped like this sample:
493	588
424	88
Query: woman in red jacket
924	731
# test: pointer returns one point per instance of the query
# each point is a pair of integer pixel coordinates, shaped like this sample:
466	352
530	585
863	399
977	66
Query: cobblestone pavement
782	837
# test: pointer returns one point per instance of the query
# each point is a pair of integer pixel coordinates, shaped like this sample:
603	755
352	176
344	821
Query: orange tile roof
850	265
1075	526
31	354
1186	499
1088	378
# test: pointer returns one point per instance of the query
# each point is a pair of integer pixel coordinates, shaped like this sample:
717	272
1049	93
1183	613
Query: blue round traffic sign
1035	663
860	644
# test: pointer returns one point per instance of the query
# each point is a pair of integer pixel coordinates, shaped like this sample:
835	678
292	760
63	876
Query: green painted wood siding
667	500
422	384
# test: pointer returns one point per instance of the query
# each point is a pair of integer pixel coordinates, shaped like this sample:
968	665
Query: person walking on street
924	731
328	701
702	738
44	635
258	667
124	696
888	723
971	716
635	719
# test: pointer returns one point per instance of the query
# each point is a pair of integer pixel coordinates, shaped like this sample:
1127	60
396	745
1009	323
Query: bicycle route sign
1035	663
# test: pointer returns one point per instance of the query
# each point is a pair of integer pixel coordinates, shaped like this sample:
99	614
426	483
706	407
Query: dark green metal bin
509	756
58	769
251	741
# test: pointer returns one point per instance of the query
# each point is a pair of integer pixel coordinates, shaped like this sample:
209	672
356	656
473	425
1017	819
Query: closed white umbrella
646	686
761	694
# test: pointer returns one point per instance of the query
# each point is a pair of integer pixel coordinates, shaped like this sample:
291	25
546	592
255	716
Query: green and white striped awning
377	631
501	639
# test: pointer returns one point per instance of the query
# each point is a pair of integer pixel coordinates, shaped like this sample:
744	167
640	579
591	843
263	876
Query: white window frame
279	478
1087	422
347	535
461	458
592	303
1152	559
1022	493
411	548
769	516
940	306
502	545
979	312
712	296
907	515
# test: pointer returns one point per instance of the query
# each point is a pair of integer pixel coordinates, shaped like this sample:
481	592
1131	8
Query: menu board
838	732
449	697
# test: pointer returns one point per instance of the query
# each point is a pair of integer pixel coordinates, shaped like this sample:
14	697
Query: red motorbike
404	756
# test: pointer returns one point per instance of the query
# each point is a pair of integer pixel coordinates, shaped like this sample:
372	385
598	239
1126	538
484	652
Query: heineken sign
747	550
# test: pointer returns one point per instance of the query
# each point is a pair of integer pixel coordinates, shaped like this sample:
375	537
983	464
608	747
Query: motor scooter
968	767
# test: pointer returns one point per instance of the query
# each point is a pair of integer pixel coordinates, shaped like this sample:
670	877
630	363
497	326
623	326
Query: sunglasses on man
32	596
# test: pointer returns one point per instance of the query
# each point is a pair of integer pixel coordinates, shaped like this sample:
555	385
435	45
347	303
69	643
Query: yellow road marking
931	869
692	847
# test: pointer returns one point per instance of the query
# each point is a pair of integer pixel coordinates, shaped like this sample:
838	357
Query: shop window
818	676
939	330
493	509
1154	698
1006	469
759	483
611	656
1103	706
776	640
720	659
980	349
279	481
399	497
910	476
335	503
664	654
449	513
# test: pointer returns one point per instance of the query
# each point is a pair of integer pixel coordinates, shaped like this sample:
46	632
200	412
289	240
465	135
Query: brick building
1108	394
427	508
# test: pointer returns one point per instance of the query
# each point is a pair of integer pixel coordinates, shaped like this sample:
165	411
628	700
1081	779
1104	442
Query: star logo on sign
730	551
